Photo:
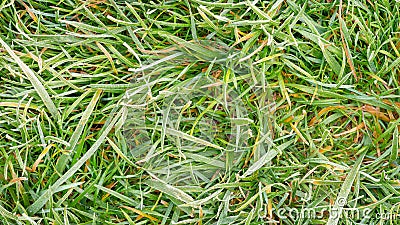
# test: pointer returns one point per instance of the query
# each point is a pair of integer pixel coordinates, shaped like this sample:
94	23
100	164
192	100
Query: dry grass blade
345	47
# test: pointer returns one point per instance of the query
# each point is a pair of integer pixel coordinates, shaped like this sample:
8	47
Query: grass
199	112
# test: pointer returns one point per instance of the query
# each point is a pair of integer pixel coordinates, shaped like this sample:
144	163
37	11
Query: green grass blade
344	192
40	89
41	201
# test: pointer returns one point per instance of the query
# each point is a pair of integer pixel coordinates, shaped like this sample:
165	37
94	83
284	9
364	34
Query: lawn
199	112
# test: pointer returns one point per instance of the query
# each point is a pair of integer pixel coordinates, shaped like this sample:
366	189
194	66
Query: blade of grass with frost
75	104
170	190
117	195
207	20
330	59
283	89
6	214
266	158
395	145
200	51
218	17
40	89
344	192
119	152
156	62
109	57
251	199
258	11
204	159
327	162
200	202
84	119
41	201
76	136
331	94
192	21
298	68
191	138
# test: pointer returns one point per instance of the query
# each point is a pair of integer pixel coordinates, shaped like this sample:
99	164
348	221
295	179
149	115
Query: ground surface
199	112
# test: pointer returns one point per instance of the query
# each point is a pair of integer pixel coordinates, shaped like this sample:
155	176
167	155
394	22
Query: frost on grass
187	125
